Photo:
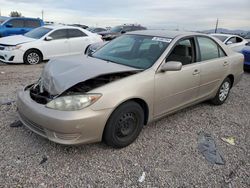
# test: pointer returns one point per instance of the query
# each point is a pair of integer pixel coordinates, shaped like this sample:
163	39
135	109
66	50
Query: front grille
32	126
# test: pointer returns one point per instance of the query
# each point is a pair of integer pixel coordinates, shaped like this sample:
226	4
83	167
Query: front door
176	89
58	46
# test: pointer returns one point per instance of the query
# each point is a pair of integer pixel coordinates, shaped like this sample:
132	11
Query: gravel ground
166	151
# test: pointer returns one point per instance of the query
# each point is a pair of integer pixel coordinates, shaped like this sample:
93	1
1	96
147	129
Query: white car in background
234	42
45	43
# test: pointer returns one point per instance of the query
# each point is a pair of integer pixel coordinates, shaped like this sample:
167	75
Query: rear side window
16	23
59	34
209	49
238	39
74	33
32	23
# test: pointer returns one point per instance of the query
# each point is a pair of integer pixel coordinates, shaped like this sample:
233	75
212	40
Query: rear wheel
222	93
32	57
124	125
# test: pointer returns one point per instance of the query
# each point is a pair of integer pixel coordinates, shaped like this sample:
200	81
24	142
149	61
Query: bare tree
15	14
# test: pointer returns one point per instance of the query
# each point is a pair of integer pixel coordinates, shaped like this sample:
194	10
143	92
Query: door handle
225	63
196	71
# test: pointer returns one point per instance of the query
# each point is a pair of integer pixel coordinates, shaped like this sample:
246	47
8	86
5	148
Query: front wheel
124	125
32	57
222	93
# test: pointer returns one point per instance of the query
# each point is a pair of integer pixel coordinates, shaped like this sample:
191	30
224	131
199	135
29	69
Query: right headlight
11	48
73	102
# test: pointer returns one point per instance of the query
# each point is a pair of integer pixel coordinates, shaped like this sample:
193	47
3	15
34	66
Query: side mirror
48	38
9	25
171	66
122	32
229	42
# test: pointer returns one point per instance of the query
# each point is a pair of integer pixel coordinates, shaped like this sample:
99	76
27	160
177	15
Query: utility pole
216	27
42	14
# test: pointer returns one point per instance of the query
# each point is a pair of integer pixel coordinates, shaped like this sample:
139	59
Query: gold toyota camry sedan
133	80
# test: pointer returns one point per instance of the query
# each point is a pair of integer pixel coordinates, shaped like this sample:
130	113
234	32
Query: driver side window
183	52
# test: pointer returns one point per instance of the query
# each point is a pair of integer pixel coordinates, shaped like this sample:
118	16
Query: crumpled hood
15	40
61	74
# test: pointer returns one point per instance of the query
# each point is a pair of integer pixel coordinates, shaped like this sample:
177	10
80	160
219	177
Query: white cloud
184	14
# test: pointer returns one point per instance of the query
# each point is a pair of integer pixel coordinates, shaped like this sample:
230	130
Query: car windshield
136	51
116	29
38	32
221	37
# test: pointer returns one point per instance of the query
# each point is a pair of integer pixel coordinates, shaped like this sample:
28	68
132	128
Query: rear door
78	41
15	27
213	66
175	89
58	46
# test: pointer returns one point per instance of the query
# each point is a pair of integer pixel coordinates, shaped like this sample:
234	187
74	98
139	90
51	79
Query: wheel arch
139	101
34	49
86	49
231	77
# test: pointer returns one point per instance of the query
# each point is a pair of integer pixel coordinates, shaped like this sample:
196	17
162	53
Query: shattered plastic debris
230	140
142	177
16	124
45	158
207	148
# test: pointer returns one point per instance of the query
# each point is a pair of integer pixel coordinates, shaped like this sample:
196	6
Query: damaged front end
39	94
76	76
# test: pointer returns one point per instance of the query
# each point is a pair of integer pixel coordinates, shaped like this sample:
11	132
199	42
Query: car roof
61	27
225	35
23	18
163	33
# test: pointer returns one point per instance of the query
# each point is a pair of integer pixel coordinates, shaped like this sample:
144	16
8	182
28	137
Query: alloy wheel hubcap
33	58
224	90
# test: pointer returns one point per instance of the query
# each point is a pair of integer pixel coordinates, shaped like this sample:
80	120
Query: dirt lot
166	151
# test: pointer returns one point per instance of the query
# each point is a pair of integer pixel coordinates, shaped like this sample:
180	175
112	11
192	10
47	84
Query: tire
223	92
124	125
32	57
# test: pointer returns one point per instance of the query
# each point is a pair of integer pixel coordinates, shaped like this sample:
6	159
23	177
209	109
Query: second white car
45	43
235	42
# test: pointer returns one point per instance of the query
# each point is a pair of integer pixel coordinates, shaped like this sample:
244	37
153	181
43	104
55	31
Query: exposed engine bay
41	96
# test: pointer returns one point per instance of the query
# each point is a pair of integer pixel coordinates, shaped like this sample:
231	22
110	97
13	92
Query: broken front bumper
64	127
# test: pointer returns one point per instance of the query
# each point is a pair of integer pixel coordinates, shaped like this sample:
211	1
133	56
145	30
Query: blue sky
166	14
